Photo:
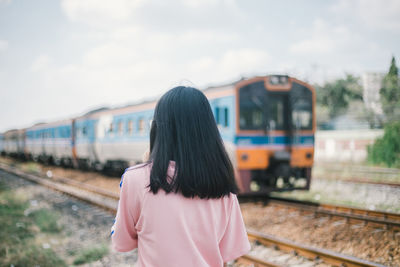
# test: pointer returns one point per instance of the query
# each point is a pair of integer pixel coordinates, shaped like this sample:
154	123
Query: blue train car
50	142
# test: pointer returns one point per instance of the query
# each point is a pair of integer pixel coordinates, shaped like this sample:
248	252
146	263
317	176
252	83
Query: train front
274	133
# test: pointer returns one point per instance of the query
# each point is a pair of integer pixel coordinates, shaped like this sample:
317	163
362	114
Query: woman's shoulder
138	167
138	174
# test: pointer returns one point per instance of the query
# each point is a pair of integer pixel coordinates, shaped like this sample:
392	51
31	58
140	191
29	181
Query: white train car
114	138
14	142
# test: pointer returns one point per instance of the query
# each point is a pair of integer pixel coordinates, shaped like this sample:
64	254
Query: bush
386	150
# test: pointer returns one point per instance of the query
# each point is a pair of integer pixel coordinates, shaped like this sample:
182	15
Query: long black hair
184	130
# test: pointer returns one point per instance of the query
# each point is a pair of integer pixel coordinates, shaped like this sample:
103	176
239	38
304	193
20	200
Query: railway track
359	169
386	220
357	180
108	200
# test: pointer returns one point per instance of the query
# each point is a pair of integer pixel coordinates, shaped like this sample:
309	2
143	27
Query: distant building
372	84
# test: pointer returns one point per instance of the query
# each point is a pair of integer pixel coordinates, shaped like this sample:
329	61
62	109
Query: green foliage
337	95
91	254
46	220
386	150
17	235
35	256
390	93
393	70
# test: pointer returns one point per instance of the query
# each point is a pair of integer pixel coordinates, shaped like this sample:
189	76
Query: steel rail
353	215
326	256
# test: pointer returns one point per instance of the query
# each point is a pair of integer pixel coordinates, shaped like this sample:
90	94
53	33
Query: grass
31	255
17	235
91	254
32	167
46	220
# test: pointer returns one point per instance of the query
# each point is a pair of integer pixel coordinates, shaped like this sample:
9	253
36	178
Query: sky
62	58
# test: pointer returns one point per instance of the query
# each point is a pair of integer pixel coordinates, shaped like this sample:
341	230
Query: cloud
380	15
160	15
99	11
130	44
42	62
323	39
3	45
230	65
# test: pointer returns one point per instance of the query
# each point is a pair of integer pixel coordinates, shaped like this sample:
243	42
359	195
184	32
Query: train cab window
302	115
130	127
302	110
252	106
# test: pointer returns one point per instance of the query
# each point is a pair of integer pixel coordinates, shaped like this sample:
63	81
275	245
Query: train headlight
278	80
244	156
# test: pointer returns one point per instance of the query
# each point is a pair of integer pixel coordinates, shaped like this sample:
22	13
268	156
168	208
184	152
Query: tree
337	95
390	93
386	150
393	70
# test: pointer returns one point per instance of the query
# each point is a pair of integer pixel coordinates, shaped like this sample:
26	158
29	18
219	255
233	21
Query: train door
279	132
73	144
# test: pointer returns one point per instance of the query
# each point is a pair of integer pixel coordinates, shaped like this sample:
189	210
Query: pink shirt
171	230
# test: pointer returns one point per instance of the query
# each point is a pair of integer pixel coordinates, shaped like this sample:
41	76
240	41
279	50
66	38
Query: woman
180	208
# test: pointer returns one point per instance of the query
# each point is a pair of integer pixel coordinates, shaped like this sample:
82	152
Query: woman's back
179	209
171	230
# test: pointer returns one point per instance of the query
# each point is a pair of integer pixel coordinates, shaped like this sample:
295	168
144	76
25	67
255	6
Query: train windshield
261	109
265	110
252	106
301	107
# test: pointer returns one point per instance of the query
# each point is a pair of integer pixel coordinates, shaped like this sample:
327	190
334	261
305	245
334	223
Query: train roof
43	125
210	91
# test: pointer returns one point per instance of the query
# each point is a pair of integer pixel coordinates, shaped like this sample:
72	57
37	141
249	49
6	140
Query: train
267	124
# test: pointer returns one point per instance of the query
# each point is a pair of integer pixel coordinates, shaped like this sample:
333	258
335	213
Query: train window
217	115
120	127
130	127
226	117
141	125
111	128
84	131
